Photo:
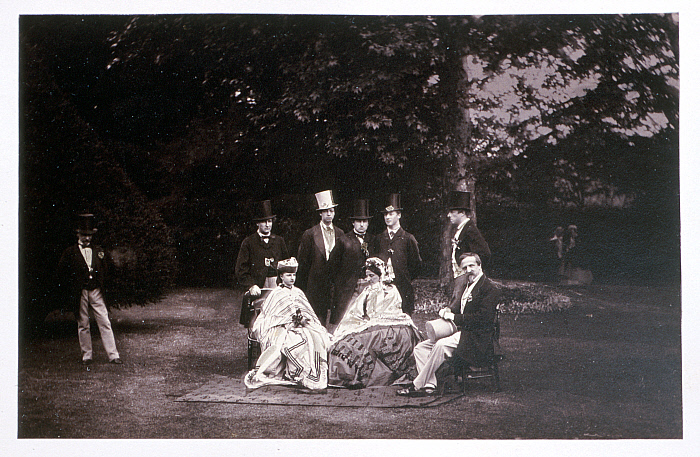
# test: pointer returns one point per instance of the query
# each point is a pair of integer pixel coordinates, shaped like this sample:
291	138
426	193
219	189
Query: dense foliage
177	122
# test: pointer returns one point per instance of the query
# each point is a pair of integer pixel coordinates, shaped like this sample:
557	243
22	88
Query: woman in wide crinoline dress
293	341
373	343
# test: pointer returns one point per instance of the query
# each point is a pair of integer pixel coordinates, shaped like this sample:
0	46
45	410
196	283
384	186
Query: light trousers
429	356
93	299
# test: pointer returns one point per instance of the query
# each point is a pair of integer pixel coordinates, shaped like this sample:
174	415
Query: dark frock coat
476	323
405	260
74	274
256	261
347	267
471	240
314	273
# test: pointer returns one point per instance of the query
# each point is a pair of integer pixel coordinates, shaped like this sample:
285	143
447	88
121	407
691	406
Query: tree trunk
458	176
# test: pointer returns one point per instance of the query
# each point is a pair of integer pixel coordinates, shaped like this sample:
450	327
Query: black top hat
360	209
263	211
459	199
86	224
393	203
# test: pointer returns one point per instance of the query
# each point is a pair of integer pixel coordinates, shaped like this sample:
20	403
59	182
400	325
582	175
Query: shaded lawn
610	367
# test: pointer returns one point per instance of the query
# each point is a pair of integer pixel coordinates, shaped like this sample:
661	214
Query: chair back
257	306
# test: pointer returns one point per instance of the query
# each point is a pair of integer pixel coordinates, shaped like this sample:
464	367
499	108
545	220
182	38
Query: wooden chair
464	375
490	373
253	305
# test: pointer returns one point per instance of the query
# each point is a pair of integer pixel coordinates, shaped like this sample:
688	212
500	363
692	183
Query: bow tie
328	229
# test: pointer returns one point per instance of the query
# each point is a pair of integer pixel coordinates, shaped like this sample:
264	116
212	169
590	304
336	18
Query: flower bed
518	297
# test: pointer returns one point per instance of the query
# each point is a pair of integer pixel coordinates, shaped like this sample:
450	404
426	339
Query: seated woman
373	343
293	342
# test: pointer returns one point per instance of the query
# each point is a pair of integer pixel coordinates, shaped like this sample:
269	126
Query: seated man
473	310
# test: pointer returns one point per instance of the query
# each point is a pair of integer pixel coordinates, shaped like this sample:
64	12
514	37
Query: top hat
360	209
86	224
459	199
263	211
439	328
289	265
324	200
393	203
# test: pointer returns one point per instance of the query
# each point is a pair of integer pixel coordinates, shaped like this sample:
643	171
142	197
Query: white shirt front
467	295
328	232
86	251
456	270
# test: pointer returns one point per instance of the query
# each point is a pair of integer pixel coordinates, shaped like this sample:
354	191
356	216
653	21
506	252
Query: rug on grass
222	389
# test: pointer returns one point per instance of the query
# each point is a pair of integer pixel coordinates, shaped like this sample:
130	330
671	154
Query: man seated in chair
473	311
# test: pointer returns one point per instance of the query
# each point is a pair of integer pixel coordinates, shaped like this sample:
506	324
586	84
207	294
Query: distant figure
256	265
81	271
557	258
315	249
573	273
399	251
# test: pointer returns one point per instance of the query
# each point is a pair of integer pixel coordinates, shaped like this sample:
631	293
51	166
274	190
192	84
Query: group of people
339	312
566	261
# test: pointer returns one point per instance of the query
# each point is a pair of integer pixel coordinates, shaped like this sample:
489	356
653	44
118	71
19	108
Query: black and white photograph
304	231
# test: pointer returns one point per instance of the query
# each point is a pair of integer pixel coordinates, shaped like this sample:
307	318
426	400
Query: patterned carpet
222	389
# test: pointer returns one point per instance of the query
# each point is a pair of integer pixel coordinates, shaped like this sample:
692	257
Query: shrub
518	297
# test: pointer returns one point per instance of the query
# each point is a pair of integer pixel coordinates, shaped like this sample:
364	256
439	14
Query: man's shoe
86	362
116	361
412	392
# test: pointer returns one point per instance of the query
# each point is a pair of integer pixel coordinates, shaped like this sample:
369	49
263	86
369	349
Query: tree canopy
195	114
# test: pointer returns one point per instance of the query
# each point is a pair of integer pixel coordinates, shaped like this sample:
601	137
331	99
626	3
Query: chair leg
495	380
253	352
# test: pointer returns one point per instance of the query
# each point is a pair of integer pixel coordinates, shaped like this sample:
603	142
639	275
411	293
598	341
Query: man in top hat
467	237
399	250
315	249
81	273
349	259
256	265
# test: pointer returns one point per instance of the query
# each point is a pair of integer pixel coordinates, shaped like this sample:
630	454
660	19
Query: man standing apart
315	249
81	272
256	265
349	259
467	237
473	311
399	250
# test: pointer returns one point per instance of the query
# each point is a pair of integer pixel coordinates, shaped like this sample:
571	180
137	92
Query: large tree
206	111
68	168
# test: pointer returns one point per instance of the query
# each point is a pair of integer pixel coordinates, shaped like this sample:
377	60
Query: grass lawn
608	367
